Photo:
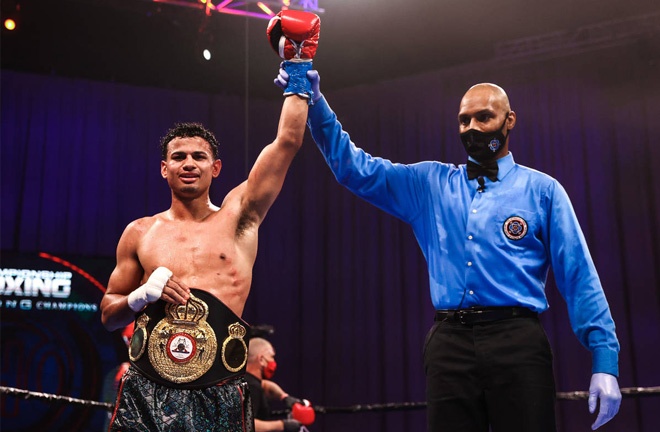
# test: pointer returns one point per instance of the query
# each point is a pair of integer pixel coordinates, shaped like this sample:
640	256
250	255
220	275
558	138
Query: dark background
362	41
88	87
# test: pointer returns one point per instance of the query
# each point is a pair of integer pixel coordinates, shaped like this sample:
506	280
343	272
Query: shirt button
474	210
469	263
471	292
469	237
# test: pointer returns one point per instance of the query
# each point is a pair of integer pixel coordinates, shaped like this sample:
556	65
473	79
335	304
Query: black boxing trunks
191	346
145	406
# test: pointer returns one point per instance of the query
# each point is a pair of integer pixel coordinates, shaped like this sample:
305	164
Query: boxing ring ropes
626	392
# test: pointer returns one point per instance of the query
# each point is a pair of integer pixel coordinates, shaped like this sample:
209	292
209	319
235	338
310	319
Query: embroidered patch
515	227
494	144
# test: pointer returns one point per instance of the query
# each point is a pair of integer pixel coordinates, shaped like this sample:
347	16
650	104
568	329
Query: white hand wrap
150	291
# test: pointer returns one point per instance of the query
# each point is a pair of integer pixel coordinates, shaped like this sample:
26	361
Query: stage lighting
207	54
10	24
265	8
262	9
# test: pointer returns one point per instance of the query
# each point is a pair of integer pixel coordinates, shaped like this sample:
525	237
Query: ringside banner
53	340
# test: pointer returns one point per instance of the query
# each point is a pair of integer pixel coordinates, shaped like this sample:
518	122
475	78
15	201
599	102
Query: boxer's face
190	166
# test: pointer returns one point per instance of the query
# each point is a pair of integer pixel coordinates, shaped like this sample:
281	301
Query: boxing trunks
145	406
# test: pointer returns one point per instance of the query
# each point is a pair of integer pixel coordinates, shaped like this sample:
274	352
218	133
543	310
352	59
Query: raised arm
267	175
294	36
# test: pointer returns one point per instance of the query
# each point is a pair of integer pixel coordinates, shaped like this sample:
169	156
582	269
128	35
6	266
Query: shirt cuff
319	111
605	361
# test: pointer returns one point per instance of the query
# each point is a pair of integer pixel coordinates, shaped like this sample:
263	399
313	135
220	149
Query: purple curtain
345	284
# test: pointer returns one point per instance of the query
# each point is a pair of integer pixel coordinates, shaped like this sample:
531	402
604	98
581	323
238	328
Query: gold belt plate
182	346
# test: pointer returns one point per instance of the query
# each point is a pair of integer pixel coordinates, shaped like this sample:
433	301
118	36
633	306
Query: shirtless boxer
184	276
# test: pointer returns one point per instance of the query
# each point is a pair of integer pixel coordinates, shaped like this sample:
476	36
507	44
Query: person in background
113	379
261	367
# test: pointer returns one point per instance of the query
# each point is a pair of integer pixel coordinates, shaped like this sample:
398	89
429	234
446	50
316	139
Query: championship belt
195	345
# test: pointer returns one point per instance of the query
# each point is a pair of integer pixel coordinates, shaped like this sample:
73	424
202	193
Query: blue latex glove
606	388
282	81
315	80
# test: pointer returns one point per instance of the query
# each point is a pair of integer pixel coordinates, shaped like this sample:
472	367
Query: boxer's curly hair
189	130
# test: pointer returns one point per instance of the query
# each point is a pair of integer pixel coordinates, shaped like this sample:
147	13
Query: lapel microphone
482	184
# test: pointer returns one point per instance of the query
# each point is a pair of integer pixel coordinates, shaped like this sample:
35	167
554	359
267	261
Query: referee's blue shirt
483	249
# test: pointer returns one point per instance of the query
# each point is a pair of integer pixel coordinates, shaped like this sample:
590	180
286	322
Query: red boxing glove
120	373
294	34
127	333
303	413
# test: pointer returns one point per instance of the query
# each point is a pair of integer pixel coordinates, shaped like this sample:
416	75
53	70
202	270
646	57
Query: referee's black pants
496	374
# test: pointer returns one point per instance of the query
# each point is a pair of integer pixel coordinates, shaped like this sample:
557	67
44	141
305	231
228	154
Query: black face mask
484	146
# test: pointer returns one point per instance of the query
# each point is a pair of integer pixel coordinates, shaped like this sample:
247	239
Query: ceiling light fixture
249	8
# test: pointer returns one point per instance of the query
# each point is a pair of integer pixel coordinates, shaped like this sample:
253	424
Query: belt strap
482	315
